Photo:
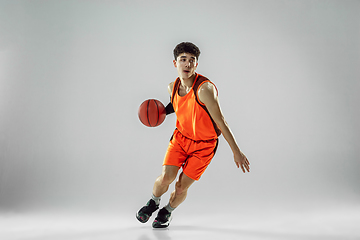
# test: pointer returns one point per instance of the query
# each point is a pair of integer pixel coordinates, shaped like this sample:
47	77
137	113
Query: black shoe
163	219
145	212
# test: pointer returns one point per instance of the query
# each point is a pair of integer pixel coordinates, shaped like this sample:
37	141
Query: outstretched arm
208	95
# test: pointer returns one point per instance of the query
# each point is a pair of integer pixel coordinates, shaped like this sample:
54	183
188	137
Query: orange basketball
152	113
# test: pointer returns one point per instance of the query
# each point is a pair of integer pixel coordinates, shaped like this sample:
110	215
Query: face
186	65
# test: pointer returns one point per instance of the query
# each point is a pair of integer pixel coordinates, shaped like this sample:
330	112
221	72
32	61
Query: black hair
186	47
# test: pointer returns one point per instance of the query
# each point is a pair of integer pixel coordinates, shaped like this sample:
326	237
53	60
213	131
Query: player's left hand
242	161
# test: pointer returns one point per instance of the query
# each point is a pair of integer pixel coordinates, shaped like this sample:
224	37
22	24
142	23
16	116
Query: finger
237	164
247	167
242	167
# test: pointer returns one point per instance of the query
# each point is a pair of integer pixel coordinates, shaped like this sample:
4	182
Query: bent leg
162	183
180	192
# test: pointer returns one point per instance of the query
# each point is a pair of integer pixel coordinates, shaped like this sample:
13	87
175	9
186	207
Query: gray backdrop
73	73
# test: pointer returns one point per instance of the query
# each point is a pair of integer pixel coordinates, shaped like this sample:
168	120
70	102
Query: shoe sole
163	225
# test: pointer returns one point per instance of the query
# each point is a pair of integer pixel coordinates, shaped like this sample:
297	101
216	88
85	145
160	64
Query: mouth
187	71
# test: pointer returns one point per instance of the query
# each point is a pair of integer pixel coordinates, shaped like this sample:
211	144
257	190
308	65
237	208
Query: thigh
200	158
175	154
170	172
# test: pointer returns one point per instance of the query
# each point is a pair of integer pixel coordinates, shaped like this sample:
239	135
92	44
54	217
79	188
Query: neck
188	82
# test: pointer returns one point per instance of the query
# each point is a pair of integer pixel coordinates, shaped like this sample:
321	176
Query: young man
199	122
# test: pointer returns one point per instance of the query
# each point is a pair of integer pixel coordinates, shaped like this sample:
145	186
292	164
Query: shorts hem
195	179
169	164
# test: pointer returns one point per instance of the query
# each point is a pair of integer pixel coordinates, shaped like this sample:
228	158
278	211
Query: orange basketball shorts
192	156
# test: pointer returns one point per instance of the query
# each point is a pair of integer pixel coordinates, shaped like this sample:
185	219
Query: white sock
156	199
169	208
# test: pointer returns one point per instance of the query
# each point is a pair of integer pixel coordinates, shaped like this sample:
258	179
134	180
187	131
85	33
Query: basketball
152	113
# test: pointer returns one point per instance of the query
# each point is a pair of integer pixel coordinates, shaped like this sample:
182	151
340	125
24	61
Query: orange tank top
193	119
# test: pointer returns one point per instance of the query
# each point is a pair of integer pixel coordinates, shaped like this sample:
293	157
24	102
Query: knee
179	188
167	179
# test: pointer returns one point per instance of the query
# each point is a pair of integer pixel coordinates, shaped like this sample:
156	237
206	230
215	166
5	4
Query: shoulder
207	93
170	87
207	88
204	84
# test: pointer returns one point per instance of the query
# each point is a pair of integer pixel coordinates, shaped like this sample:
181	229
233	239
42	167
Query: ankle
156	199
169	208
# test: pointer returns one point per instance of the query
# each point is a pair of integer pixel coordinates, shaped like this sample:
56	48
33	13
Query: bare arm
169	107
170	87
208	95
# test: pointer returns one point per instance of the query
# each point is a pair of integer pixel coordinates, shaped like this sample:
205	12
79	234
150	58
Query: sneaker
163	219
145	212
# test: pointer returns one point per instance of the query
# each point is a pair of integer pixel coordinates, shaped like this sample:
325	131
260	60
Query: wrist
236	150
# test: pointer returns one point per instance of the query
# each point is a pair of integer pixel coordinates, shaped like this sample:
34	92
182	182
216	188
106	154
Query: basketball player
199	123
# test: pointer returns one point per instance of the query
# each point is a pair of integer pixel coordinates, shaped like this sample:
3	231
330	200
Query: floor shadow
238	233
162	234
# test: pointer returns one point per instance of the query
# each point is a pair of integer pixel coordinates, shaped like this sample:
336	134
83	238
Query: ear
174	61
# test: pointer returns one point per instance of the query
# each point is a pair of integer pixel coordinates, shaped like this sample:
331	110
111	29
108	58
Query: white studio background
73	73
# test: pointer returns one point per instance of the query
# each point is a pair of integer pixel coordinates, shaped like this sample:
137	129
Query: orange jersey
193	119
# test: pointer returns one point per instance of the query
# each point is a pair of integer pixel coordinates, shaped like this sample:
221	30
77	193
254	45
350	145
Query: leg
177	197
162	183
180	192
160	187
